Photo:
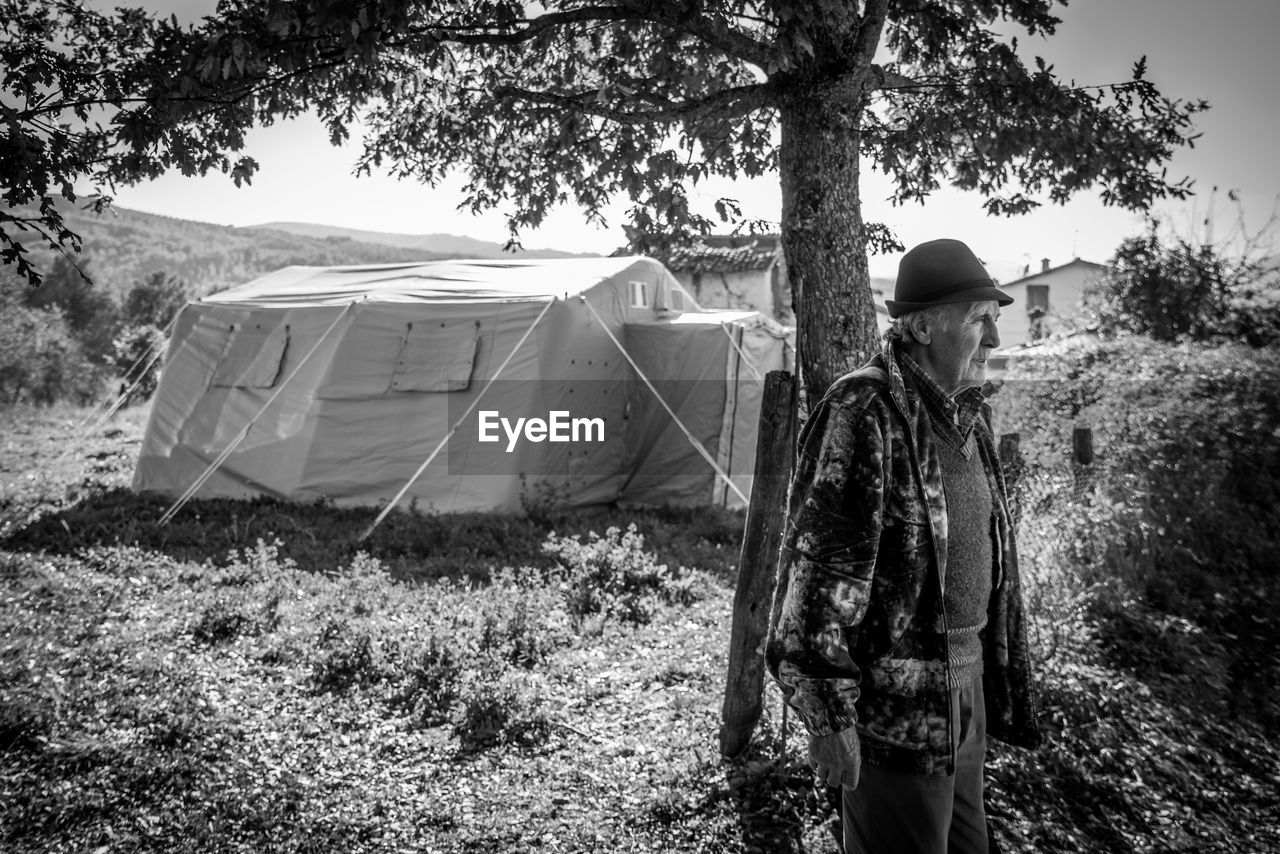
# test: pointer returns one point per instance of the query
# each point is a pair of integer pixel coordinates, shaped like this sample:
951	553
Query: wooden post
1082	445
1011	465
1082	459
1010	458
757	565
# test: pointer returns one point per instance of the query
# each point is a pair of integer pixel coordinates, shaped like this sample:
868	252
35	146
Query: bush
155	301
1168	291
499	706
40	359
91	311
430	680
1177	512
346	658
613	576
136	354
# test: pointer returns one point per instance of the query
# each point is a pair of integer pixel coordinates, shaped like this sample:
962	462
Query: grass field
246	679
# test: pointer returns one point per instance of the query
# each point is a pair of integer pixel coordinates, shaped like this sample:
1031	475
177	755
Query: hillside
125	246
447	244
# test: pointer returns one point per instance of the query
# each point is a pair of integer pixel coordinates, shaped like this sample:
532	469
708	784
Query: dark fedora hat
939	272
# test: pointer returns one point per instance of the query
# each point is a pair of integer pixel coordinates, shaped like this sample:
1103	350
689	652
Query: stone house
735	271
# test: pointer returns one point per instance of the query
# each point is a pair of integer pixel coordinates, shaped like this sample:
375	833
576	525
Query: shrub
613	576
135	358
155	300
220	621
40	359
346	658
1177	512
91	310
432	673
499	705
1167	290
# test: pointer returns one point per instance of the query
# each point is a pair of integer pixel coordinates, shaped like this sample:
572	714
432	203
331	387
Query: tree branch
729	103
714	33
873	18
482	34
882	78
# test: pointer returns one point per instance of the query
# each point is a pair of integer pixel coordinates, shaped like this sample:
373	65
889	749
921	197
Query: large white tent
340	383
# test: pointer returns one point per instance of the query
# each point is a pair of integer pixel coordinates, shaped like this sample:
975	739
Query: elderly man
900	640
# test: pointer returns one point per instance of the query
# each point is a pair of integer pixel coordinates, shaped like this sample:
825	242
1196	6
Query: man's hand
836	758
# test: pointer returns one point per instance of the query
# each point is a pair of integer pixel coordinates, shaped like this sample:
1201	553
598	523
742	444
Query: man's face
957	351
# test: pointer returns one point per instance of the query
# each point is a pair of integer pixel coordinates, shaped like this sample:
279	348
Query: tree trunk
822	233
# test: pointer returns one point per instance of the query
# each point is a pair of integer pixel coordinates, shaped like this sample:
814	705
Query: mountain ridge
122	247
439	242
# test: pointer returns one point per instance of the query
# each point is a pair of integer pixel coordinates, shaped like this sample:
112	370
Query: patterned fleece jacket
860	632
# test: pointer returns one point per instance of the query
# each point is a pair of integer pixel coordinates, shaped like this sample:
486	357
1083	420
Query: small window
677	300
639	292
1037	297
254	356
436	358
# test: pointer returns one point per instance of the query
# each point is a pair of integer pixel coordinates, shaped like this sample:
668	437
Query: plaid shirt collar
957	413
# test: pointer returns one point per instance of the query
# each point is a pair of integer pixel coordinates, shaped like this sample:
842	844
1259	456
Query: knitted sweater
968	583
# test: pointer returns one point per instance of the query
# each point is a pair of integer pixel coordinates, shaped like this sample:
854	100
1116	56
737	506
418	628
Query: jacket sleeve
834	521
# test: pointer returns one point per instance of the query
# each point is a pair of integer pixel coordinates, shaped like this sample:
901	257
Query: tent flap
436	357
253	356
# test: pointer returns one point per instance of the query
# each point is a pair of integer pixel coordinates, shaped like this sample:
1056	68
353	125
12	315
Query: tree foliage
65	70
40	360
155	301
1173	289
91	312
573	102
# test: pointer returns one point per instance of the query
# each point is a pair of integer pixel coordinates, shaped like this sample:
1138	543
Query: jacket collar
887	360
967	407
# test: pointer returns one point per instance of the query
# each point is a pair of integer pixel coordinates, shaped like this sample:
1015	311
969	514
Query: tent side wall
686	366
223	366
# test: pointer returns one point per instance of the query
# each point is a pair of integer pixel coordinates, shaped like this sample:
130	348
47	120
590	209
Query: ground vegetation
249	678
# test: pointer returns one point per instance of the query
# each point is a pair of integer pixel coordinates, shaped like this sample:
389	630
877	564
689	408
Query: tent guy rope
751	366
240	437
391	505
692	440
154	352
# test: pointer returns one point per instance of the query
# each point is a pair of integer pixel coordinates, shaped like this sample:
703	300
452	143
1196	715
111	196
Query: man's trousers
894	812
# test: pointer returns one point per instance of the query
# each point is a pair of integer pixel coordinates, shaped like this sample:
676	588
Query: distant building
1047	302
735	271
747	272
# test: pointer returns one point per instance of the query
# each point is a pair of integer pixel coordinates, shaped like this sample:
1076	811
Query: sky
1222	52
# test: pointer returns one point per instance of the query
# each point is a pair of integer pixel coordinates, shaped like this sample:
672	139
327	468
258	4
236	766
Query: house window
1037	310
677	300
639	292
1038	297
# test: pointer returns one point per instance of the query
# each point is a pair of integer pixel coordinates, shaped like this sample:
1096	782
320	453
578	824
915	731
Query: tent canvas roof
442	281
